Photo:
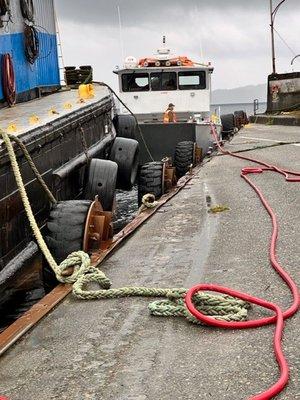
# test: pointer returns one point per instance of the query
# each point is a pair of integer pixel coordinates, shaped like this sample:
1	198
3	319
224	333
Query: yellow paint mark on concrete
218	209
34	119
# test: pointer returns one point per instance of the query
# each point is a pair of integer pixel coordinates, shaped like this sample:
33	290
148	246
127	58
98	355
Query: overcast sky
233	34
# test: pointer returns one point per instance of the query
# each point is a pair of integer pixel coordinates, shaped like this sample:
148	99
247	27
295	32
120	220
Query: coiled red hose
281	315
8	79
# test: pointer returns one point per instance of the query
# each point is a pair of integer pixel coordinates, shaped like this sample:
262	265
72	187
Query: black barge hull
59	150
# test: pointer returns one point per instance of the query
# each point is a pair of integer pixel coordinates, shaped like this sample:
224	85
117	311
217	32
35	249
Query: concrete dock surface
114	350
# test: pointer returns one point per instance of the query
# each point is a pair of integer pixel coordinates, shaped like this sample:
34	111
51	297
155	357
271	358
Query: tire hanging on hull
151	180
125	152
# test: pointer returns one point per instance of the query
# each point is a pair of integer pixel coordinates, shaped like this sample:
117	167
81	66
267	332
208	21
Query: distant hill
245	94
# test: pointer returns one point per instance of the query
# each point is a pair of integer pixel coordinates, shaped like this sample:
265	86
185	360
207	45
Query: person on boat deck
170	115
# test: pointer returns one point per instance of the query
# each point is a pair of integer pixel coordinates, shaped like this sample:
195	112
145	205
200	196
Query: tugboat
170	97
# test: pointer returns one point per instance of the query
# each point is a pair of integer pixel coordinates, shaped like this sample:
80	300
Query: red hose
8	79
281	315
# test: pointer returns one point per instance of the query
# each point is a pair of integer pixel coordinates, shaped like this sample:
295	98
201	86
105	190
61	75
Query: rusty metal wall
284	92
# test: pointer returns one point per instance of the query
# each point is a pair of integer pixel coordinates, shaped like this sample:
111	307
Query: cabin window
135	82
192	80
163	81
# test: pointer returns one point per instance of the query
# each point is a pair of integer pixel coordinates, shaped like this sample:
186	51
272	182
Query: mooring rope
224	308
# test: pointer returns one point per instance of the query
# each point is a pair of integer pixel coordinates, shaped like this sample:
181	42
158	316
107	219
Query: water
127	208
231	108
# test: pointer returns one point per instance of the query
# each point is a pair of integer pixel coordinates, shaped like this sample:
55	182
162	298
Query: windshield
163	81
192	80
135	82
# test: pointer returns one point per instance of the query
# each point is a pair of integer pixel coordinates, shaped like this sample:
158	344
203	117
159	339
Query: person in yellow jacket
169	115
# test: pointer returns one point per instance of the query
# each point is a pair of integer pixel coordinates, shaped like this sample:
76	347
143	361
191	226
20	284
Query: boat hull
160	140
59	151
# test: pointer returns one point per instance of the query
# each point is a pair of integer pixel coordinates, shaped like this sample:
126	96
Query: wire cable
285	42
134	116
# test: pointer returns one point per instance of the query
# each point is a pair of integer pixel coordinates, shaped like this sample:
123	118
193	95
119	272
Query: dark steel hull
162	139
53	147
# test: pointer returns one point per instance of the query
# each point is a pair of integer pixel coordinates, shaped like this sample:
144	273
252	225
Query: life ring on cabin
8	80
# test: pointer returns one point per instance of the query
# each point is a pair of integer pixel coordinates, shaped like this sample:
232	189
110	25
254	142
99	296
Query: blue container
44	73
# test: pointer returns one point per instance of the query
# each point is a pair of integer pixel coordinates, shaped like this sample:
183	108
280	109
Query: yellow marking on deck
34	119
68	106
12	128
53	111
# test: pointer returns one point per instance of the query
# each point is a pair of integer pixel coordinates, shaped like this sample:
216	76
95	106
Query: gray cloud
233	34
152	11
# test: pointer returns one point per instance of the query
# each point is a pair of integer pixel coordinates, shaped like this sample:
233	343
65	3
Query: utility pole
273	13
273	39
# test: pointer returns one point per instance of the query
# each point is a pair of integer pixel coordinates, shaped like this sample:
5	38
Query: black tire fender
228	123
102	182
125	153
184	157
126	126
151	180
65	233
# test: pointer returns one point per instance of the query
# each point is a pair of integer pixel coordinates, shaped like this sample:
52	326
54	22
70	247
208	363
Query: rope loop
149	201
78	261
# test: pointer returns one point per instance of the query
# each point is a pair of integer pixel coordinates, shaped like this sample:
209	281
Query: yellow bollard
86	91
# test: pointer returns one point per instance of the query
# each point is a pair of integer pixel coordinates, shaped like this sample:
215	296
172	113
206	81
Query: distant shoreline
230	108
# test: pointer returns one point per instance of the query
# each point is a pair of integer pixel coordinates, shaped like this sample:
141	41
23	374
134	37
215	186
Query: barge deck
114	350
37	113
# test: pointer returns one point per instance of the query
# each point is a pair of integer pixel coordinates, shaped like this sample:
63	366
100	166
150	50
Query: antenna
201	46
121	34
197	12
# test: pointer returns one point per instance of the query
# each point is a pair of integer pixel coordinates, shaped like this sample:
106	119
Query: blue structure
44	73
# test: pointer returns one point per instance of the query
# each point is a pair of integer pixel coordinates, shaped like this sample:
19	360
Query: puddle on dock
22	301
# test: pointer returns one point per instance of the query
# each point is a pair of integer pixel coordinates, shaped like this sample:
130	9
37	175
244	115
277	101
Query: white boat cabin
149	85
